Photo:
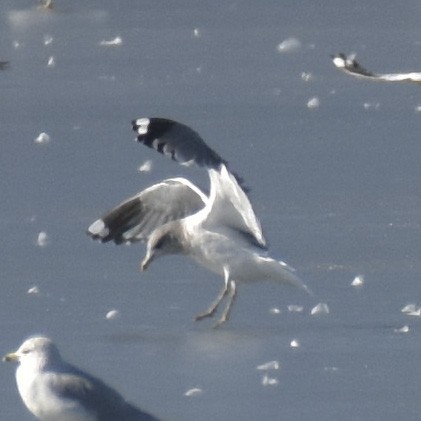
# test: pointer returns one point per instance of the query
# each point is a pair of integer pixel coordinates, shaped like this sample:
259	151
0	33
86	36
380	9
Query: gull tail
278	270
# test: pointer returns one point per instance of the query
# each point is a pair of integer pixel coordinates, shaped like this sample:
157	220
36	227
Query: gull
349	65
54	390
218	230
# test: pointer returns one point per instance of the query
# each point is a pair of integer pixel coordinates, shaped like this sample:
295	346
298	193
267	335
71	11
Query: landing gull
218	230
54	390
349	65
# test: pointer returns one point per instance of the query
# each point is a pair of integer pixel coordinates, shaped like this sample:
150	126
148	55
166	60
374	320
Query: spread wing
228	204
136	218
349	65
177	141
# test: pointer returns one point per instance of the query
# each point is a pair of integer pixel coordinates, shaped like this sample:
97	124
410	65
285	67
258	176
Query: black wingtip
176	140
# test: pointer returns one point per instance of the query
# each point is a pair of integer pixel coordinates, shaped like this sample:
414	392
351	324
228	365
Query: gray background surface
337	189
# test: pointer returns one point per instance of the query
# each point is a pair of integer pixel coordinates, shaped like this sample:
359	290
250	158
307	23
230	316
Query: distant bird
349	65
219	230
54	390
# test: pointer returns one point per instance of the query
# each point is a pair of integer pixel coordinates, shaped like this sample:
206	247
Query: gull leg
211	310
232	290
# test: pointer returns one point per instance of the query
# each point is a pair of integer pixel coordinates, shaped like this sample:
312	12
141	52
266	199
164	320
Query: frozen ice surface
115	42
313	103
42	239
403	329
270	365
145	166
48	40
195	391
371	105
51	62
275	310
326	185
307	76
112	315
33	290
294	308
295	343
269	381
42	139
409	308
321	308
289	45
358	281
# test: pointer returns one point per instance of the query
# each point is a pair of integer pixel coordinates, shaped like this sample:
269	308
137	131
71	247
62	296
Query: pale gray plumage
54	390
219	230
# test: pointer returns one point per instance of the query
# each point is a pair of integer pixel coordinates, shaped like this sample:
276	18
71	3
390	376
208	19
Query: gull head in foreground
54	390
218	230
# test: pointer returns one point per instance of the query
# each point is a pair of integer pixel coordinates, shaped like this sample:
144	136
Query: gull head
167	239
34	353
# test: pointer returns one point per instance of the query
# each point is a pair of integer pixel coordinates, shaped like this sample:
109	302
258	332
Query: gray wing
136	218
96	397
228	203
349	65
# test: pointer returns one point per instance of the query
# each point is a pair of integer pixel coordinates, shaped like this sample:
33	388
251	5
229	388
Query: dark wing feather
176	140
352	66
179	142
136	218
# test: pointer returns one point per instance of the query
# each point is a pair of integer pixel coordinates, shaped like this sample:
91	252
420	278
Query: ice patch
269	381
358	281
112	315
33	290
293	308
145	167
112	42
403	329
289	45
295	343
42	239
409	308
48	39
195	391
270	365
313	103
275	310
371	105
42	139
307	77
321	308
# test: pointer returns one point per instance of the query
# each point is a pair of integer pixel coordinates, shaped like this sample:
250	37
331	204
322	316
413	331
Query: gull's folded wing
95	396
